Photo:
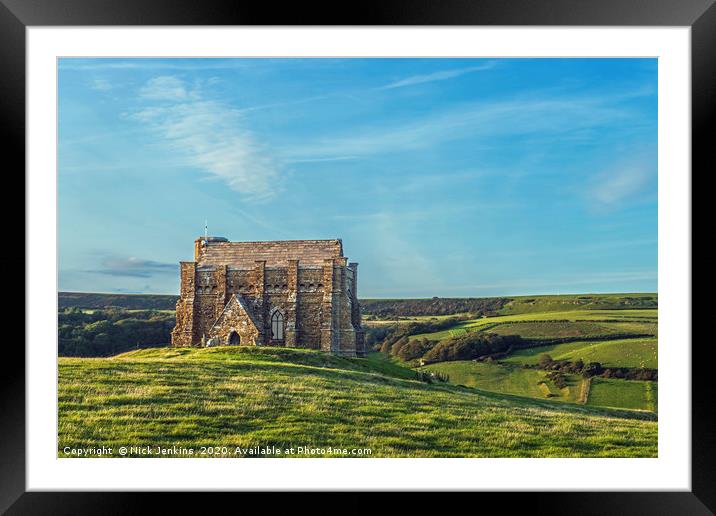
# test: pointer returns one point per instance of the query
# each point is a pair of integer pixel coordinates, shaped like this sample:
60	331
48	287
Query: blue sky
443	177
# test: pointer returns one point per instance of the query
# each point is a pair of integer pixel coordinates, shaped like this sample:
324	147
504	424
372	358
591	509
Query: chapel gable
236	325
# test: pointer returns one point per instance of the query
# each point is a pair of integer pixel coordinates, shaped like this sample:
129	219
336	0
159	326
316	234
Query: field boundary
465	327
651	404
584	391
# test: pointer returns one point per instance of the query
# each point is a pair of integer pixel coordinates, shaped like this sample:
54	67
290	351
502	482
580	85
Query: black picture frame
17	15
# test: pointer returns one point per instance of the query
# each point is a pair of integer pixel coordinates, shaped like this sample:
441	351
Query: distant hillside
387	308
564	303
584	353
378	307
128	301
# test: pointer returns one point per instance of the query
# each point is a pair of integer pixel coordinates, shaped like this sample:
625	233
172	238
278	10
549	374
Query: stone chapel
293	293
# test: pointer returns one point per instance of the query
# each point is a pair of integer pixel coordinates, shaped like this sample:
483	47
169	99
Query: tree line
107	332
382	338
469	346
91	300
547	363
391	308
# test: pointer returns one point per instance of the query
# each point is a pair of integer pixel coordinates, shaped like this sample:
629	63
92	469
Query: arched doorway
234	339
277	326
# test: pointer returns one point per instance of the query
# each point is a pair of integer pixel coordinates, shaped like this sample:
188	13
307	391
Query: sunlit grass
624	393
278	397
640	353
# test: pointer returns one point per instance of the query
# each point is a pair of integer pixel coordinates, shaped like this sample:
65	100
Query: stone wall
308	320
183	332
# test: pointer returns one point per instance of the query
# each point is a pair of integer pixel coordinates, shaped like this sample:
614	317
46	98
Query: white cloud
211	136
436	76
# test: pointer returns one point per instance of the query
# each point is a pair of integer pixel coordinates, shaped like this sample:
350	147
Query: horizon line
393	297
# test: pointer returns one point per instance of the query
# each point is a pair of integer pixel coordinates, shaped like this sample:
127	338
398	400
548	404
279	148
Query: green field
622	393
561	303
368	322
445	334
572	329
650	314
613	337
585	323
610	353
510	380
246	397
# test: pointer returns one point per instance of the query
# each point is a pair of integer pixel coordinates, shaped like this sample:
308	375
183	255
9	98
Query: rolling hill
619	338
246	397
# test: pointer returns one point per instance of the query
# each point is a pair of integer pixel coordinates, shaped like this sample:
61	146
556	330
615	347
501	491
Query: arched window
277	326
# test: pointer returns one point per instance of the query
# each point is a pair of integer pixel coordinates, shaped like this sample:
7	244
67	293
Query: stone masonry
293	293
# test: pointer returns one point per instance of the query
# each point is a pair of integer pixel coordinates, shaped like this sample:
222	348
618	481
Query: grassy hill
246	396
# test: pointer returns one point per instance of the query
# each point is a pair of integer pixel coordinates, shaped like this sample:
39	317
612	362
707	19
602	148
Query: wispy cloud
210	135
132	266
322	159
396	255
481	121
437	76
621	182
165	87
561	283
101	85
284	104
152	64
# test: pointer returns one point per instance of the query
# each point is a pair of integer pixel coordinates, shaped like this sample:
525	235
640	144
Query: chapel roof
216	251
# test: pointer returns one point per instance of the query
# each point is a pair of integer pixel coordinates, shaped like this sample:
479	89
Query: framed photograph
448	244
